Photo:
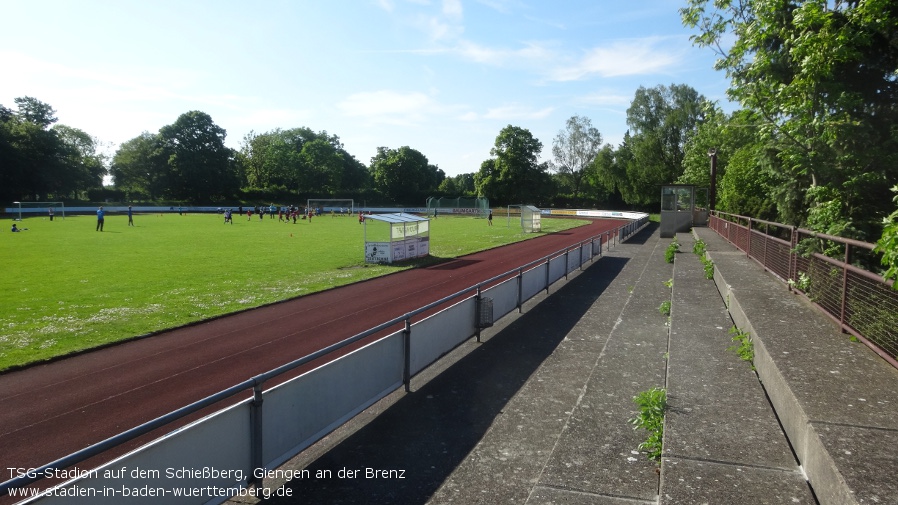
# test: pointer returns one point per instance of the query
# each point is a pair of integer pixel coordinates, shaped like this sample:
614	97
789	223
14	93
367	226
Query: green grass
66	287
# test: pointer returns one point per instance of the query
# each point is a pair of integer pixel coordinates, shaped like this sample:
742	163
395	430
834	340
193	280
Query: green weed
672	249
699	247
708	267
744	347
664	308
652	407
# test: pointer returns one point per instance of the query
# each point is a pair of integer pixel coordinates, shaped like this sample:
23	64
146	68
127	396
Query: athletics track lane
55	409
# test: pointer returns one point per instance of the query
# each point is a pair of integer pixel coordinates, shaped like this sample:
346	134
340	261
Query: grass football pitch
66	287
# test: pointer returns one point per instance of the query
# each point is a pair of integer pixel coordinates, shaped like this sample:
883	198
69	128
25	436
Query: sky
440	76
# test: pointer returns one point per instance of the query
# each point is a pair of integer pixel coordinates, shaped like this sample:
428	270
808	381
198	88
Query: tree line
188	161
814	142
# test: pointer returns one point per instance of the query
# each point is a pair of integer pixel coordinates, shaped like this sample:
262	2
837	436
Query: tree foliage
888	244
301	160
514	175
575	149
404	174
197	165
134	165
43	160
661	120
821	77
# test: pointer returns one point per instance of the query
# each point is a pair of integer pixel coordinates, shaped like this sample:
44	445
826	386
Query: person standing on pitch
130	217
100	214
489	219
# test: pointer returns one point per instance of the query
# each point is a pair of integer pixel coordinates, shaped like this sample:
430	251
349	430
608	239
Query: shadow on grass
428	433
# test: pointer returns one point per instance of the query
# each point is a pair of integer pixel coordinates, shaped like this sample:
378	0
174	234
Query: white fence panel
440	333
585	253
505	297
304	409
556	269
573	260
181	462
534	281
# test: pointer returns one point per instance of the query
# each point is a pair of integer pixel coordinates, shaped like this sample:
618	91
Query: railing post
548	267
477	309
793	256
407	340
845	285
567	262
256	436
520	291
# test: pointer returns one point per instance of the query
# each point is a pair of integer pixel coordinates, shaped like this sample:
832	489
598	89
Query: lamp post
712	189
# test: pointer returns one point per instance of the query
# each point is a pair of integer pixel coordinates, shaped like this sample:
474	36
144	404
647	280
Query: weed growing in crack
652	407
744	347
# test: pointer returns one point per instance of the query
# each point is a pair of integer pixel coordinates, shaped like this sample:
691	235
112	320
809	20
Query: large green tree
41	160
514	174
821	76
661	120
136	167
83	167
301	160
198	166
575	149
746	181
404	175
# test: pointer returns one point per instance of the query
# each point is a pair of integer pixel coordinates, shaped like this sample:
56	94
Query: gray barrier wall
215	458
442	332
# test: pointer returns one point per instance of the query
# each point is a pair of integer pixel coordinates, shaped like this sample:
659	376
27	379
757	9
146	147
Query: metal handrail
884	347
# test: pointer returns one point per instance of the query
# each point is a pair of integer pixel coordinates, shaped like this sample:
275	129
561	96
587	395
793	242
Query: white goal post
337	205
47	209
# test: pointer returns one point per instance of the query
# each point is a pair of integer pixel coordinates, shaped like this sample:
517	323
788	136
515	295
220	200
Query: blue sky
440	76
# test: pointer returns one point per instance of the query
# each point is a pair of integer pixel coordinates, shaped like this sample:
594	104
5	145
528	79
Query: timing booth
682	207
396	237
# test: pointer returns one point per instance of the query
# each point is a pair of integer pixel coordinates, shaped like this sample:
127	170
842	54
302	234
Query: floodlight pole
712	192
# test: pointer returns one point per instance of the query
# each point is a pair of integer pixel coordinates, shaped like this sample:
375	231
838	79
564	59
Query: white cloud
622	58
606	99
452	9
517	112
386	5
532	54
389	107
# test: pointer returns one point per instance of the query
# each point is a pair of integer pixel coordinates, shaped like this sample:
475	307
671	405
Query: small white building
396	237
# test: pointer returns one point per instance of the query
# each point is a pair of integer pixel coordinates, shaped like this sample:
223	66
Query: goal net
49	210
344	206
459	205
530	217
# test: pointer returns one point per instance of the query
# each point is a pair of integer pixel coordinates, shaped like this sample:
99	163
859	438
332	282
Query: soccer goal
48	209
530	217
344	206
470	206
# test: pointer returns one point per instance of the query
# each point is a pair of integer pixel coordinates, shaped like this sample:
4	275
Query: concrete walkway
836	399
539	412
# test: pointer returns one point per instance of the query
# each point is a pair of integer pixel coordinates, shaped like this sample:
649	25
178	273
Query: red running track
55	409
